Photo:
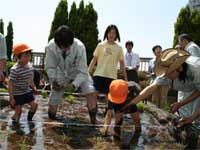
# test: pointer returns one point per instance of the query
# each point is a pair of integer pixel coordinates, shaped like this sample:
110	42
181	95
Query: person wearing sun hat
179	66
118	96
181	70
187	83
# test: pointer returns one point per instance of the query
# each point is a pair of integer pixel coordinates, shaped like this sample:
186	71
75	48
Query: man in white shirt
132	62
66	67
186	42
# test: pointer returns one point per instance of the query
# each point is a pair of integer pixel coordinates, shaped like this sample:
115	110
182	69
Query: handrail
38	61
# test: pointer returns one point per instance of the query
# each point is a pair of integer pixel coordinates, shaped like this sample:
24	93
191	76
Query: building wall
194	4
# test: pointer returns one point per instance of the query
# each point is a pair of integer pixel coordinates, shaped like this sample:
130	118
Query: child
20	81
107	55
118	96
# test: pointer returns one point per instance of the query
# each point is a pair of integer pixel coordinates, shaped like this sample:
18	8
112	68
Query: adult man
186	42
3	56
66	66
132	62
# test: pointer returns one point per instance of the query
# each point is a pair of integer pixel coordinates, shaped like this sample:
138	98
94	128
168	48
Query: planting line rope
66	124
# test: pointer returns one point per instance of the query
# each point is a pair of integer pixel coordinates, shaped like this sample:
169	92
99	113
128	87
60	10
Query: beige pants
159	97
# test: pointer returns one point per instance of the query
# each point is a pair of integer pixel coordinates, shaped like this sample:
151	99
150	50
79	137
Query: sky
145	22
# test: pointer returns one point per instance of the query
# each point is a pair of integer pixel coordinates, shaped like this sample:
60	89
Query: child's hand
104	132
12	102
124	108
35	91
56	86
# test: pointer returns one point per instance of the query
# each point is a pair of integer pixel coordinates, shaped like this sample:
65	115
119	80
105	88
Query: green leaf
71	99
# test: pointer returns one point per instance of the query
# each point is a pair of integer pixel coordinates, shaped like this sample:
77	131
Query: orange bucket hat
20	48
118	91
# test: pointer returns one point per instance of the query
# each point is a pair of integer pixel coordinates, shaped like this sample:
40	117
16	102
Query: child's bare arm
33	87
10	90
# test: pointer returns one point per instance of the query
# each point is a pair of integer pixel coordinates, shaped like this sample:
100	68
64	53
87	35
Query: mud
74	131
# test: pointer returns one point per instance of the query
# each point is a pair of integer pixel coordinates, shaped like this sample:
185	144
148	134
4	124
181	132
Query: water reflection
74	131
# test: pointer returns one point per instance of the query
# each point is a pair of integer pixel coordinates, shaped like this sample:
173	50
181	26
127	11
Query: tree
1	26
89	31
182	24
9	40
60	17
195	26
83	22
79	21
73	17
187	22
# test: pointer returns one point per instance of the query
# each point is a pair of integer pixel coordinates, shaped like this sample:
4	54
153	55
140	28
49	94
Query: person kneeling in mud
119	95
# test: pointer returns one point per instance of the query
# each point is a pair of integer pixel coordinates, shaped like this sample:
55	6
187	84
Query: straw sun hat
170	60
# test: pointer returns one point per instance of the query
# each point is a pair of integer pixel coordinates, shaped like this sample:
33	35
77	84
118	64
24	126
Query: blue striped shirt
21	78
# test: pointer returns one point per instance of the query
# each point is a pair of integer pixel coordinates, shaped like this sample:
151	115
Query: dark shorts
132	75
118	107
24	99
133	92
102	84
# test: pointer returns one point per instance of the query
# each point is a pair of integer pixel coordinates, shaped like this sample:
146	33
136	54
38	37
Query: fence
144	62
38	62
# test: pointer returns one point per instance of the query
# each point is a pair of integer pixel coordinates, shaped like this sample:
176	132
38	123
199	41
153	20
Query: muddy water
74	131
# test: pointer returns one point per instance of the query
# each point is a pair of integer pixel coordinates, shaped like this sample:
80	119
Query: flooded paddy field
73	130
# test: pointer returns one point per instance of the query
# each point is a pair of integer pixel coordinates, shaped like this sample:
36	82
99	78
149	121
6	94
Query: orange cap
20	48
118	91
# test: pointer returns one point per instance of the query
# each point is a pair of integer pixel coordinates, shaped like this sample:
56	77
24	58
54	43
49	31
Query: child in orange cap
20	81
118	96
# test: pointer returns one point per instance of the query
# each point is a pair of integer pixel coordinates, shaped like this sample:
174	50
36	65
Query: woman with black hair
107	55
177	68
